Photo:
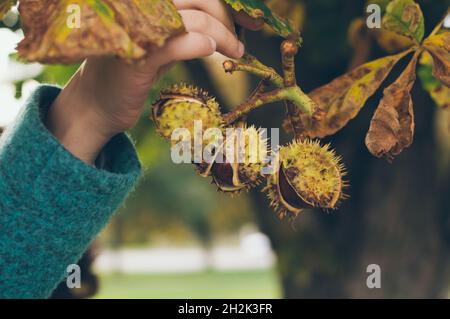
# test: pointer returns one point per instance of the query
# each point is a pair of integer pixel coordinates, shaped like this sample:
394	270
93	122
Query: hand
106	96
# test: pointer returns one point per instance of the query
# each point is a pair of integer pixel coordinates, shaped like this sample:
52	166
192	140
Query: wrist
73	120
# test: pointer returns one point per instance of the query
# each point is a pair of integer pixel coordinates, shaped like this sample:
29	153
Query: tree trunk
398	216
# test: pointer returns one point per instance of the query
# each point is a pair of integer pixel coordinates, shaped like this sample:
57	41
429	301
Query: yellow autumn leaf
54	34
441	96
342	99
438	46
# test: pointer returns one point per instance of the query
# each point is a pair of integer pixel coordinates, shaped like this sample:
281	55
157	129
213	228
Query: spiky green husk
234	174
180	106
308	175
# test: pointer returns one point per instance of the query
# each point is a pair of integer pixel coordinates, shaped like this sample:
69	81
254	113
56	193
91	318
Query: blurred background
177	237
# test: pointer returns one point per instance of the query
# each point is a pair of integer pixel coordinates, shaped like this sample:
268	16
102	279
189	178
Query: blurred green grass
209	284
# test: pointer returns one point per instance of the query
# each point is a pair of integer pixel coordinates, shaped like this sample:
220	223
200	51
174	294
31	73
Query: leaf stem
260	89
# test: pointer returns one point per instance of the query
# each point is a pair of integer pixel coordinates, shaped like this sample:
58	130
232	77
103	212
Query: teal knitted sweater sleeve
53	205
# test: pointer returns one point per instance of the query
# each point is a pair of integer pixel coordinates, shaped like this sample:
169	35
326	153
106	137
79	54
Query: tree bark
398	216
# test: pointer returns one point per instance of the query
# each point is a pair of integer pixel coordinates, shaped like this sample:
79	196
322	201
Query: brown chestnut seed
234	174
308	175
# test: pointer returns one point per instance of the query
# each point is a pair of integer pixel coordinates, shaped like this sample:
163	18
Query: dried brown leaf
439	48
148	22
123	28
392	126
390	41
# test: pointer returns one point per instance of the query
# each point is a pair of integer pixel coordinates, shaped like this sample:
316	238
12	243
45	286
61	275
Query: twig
260	89
251	65
293	94
289	50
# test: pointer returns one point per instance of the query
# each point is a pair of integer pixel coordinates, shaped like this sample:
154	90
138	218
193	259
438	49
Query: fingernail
241	49
213	43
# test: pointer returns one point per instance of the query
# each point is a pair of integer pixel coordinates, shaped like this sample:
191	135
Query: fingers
219	10
201	22
210	27
188	46
214	8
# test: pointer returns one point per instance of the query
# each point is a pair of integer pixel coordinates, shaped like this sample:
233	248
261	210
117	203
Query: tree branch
293	94
251	65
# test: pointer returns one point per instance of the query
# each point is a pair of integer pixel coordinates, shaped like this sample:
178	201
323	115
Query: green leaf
406	18
257	9
429	82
